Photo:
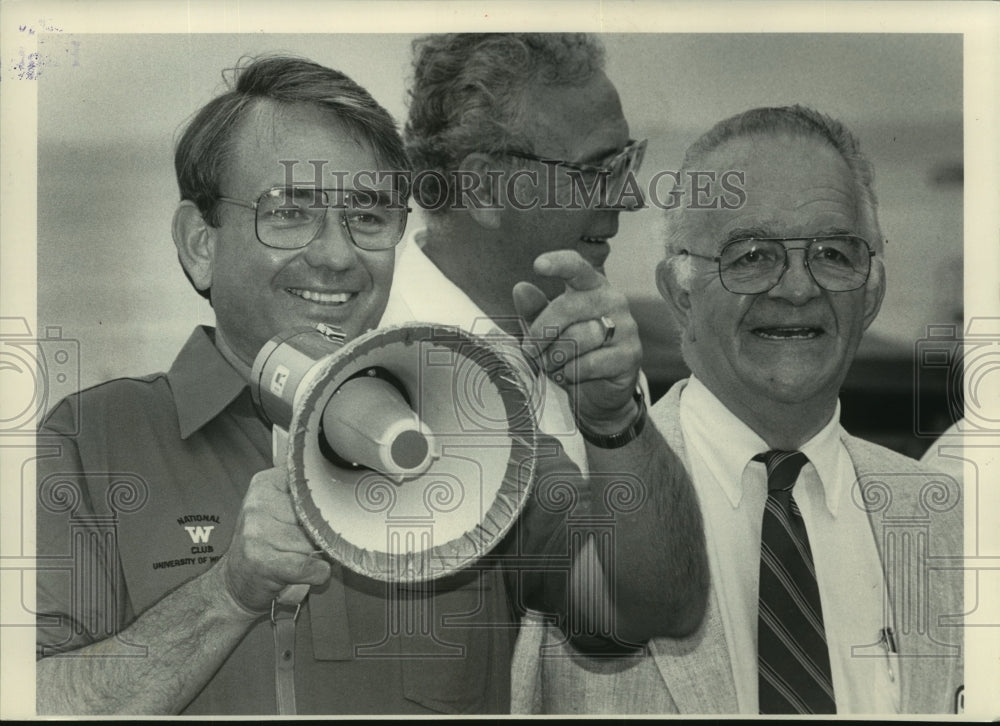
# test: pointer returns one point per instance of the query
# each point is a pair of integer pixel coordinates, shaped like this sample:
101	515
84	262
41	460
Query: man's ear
676	296
195	242
873	297
482	197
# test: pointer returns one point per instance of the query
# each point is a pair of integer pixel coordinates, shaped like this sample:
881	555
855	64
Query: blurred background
110	108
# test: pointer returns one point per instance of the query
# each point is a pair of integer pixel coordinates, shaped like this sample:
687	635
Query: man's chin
351	329
793	389
351	320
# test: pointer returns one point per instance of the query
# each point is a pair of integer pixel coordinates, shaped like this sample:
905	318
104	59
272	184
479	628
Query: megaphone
410	449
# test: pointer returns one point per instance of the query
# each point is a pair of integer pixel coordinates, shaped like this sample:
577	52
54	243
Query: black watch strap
619	439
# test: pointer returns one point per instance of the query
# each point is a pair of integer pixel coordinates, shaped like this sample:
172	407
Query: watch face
629	433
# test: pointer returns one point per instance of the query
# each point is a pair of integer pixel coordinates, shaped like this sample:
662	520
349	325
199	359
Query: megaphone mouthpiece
368	422
410	449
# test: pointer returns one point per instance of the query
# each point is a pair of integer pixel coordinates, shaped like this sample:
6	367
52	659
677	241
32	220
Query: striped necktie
792	658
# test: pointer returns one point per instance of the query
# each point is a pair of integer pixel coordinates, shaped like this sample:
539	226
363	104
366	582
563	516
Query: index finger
575	271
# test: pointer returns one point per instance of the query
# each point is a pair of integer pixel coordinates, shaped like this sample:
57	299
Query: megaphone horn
410	449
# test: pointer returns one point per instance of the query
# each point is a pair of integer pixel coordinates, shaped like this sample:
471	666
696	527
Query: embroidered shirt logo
200	534
199	528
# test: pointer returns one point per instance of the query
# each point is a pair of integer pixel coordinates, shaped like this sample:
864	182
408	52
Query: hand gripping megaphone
410	450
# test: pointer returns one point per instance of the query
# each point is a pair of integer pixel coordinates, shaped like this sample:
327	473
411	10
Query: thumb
528	301
274	478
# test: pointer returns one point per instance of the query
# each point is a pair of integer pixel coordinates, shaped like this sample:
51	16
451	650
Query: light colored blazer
916	518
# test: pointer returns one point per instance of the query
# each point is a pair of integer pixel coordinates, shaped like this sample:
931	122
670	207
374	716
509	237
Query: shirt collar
707	422
826	452
414	277
202	382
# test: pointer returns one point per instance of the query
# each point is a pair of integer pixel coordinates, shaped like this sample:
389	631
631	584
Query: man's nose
332	246
796	283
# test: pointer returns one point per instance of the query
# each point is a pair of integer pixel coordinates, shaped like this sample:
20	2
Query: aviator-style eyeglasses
616	170
289	218
752	265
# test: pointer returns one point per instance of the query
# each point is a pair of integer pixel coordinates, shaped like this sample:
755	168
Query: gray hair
798	121
468	92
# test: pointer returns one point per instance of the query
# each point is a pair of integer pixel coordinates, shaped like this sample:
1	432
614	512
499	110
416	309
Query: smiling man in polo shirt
165	532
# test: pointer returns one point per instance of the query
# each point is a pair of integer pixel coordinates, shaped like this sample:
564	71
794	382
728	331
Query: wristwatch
619	439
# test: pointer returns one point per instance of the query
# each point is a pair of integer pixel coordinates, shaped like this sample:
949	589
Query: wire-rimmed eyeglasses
289	218
752	265
616	170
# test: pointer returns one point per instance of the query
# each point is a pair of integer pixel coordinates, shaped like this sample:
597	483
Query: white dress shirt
732	491
421	293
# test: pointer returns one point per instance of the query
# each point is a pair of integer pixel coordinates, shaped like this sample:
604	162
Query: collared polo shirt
140	482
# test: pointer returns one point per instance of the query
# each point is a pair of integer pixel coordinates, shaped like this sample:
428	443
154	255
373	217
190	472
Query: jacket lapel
696	670
896	501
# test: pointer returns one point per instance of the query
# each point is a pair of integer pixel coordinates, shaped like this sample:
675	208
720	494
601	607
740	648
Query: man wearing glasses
815	604
508	133
523	162
164	532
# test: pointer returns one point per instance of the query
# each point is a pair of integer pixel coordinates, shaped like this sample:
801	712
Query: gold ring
609	328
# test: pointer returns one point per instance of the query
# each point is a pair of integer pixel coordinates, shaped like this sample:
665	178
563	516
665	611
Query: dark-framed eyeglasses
616	170
289	218
752	265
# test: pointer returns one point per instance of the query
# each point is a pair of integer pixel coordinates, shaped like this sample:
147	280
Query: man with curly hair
523	162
